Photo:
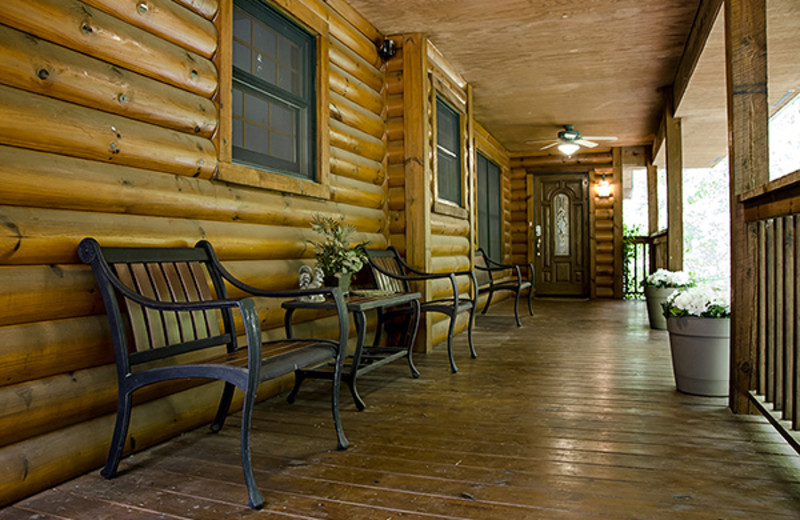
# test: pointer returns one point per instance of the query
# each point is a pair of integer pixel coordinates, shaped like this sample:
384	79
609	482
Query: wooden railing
773	219
658	251
637	265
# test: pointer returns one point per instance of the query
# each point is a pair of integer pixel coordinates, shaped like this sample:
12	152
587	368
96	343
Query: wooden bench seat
487	269
171	318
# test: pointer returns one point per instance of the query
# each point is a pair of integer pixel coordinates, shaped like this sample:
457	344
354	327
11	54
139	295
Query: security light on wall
603	188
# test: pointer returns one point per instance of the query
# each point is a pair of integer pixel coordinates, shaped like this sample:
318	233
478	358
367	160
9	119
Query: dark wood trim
707	14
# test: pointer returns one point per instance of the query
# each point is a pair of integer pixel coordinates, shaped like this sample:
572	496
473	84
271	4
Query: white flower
664	278
701	301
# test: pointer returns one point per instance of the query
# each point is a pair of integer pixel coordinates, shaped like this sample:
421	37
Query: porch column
674	144
748	155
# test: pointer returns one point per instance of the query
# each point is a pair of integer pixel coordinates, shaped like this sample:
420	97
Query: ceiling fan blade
534	141
549	146
584	142
600	137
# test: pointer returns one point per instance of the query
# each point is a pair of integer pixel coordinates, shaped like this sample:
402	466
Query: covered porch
573	416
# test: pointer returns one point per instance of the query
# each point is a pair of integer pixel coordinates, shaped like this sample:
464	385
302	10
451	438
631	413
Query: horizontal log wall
108	125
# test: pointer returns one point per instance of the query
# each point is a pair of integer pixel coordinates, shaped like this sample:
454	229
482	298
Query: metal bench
171	318
486	267
392	274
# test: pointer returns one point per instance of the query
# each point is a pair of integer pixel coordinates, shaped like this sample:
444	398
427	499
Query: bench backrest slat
483	277
389	262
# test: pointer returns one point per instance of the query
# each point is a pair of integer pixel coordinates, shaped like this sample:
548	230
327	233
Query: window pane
265	40
238	102
483	204
561	219
241	26
282	119
256	138
282	146
448	139
495	224
241	56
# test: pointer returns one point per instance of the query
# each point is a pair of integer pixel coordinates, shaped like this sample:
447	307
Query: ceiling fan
570	140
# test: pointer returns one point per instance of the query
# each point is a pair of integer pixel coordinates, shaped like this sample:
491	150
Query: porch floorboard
573	416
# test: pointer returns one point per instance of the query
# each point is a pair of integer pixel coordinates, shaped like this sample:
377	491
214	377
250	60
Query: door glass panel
561	219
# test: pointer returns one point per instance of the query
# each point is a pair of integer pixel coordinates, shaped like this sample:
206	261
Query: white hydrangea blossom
701	301
664	278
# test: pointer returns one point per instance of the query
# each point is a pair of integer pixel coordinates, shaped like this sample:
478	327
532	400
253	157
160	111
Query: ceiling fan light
568	148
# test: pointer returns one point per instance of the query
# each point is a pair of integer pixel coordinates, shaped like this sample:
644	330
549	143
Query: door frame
588	230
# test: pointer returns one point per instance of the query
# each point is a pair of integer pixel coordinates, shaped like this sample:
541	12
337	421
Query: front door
561	234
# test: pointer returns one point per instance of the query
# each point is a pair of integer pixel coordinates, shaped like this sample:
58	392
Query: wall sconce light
603	188
568	148
387	49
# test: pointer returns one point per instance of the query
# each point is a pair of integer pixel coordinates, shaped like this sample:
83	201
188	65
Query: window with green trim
490	222
274	103
448	152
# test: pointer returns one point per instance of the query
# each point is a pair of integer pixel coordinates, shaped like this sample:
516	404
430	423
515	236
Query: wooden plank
796	319
788	281
777	314
652	197
761	349
748	114
770	312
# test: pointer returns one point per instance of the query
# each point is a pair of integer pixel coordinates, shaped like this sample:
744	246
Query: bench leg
453	367
256	499
299	377
530	300
488	301
470	324
120	433
224	406
342	442
516	307
411	337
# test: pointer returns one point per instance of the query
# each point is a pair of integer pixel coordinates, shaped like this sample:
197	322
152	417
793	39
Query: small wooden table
365	358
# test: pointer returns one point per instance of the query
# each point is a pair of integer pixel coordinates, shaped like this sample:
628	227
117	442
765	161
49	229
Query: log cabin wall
110	126
605	215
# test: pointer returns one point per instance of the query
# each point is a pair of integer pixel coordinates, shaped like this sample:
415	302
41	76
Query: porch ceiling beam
674	144
704	20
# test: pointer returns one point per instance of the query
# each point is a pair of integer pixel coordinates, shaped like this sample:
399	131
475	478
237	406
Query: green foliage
334	253
629	233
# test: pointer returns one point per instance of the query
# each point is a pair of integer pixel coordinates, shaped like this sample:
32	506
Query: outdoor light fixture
568	148
603	188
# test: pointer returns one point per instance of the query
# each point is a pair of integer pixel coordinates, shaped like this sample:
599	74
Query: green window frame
490	221
273	106
448	153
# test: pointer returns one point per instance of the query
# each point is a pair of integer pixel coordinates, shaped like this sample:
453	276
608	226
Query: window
490	223
273	105
448	153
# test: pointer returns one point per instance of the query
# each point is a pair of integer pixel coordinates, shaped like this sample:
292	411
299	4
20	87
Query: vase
700	354
655	296
340	280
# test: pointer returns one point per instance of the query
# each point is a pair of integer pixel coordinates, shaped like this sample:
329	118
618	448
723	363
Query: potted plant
698	321
658	286
335	256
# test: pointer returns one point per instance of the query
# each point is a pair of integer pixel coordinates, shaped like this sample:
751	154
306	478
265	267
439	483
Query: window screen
448	152
274	103
490	222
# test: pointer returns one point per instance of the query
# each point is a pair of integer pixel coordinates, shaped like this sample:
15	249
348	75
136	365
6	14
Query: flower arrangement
334	254
663	279
702	301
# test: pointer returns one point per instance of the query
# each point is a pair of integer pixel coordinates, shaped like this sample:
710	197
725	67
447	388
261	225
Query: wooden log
449	264
395	63
350	87
445	245
592	159
605	258
442	288
42	236
395	106
394	129
397	199
355	65
604	225
351	37
206	8
344	110
394	84
395	152
44	348
37	122
77	26
41	293
36	65
167	20
353	166
397	222
356	193
395	176
29	178
355	141
446	225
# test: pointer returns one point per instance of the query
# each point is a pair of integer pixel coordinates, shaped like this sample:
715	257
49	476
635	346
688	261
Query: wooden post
748	155
672	131
417	175
617	194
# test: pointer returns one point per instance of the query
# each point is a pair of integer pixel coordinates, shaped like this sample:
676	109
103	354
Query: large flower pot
655	296
700	354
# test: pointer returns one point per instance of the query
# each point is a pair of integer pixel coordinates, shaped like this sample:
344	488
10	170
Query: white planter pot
700	354
655	296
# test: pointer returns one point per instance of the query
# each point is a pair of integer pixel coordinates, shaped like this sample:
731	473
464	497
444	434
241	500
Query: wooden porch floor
573	416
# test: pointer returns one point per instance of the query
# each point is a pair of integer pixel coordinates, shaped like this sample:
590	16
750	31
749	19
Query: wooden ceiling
536	65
